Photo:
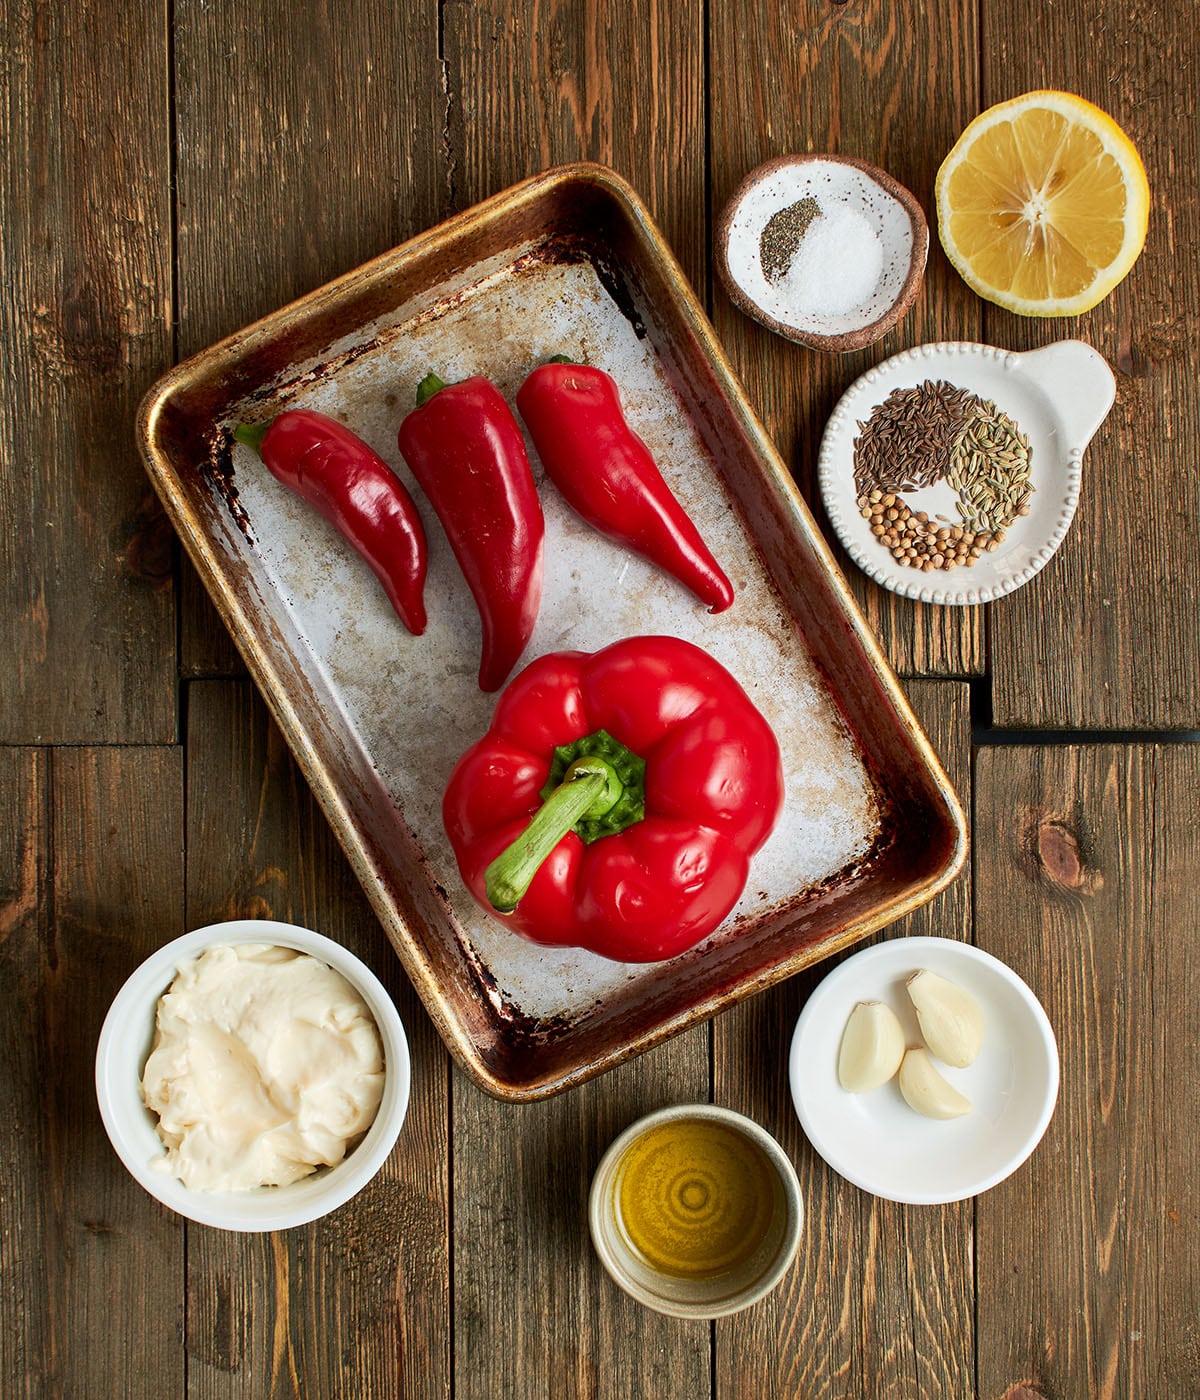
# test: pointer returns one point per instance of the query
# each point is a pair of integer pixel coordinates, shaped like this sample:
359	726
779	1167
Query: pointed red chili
606	473
357	492
467	453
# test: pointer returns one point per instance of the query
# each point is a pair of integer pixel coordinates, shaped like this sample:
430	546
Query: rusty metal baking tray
567	262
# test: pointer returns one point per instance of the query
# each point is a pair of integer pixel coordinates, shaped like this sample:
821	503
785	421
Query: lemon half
1042	204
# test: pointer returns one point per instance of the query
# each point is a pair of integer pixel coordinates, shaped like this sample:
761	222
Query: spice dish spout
1079	383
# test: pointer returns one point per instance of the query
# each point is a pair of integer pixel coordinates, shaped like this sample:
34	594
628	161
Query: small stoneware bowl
878	1142
825	250
729	1187
125	1042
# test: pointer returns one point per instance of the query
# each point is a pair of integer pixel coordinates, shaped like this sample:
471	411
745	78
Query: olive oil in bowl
696	1198
695	1211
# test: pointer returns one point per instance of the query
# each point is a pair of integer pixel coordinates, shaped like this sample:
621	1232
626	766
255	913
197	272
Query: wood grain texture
892	84
357	1303
25	912
881	1298
167	175
534	1311
536	83
91	874
307	142
85	554
1088	1259
532	84
1128	575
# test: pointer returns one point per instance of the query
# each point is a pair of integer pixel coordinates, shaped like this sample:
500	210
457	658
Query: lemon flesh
1043	204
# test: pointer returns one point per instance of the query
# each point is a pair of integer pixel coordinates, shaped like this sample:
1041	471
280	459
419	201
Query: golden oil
695	1197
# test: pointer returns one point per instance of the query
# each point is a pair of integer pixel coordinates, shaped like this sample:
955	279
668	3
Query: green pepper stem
587	790
252	434
561	360
428	387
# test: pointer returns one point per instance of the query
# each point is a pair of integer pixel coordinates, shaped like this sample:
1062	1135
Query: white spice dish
874	1139
1058	396
825	250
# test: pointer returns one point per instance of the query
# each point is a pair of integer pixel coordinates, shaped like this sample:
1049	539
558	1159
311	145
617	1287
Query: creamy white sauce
266	1065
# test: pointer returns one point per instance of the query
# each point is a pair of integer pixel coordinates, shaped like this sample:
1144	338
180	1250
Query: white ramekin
124	1045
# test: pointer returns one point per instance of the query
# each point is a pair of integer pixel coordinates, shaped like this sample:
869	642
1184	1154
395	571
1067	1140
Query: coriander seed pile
934	432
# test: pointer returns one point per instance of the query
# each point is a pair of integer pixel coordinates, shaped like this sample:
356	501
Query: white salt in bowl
825	250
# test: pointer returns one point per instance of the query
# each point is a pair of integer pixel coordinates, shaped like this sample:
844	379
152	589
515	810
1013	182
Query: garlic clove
951	1020
926	1091
872	1047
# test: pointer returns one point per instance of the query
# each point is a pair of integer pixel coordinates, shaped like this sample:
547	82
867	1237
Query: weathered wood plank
1087	1258
25	906
534	1311
881	1299
308	141
91	883
357	1303
535	83
891	84
1128	575
85	553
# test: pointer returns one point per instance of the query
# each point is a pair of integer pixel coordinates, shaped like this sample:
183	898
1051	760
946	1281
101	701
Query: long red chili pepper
607	474
357	492
467	453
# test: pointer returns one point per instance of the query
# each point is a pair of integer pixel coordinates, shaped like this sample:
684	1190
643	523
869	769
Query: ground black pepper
782	235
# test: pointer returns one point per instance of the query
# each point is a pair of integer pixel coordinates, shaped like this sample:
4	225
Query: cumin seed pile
906	442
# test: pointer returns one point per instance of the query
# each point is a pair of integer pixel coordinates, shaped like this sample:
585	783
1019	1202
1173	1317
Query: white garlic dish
924	1070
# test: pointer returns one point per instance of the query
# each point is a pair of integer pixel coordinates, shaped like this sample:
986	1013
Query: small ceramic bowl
1058	396
125	1042
692	1196
878	1142
823	249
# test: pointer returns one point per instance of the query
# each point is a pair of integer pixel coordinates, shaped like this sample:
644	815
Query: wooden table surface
171	172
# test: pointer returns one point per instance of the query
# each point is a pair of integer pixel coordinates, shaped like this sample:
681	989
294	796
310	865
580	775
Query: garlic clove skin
872	1047
926	1091
951	1020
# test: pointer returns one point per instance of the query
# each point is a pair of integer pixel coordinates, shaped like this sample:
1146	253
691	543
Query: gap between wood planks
985	734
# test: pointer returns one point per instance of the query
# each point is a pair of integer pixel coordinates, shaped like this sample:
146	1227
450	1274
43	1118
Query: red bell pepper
357	492
616	800
467	453
607	474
